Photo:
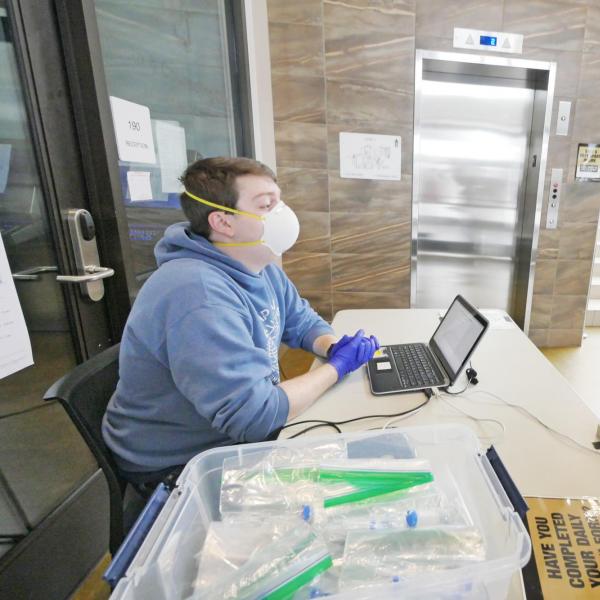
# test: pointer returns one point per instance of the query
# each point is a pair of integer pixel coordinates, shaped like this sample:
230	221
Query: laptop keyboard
414	366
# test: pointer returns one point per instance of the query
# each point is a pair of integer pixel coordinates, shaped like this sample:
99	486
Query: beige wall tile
541	311
298	98
385	273
587	121
321	302
577	241
559	155
314	232
349	300
301	144
592	28
546	23
572	277
355	232
579	203
568	312
539	337
296	50
545	274
306	12
548	243
365	195
350	52
304	189
431	42
439	17
310	272
564	337
366	103
589	83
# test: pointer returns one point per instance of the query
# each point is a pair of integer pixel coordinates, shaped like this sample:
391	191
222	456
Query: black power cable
335	424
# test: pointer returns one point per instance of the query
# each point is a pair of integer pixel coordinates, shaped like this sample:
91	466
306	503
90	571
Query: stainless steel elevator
481	139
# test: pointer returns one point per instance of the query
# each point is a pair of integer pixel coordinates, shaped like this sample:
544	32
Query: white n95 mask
280	226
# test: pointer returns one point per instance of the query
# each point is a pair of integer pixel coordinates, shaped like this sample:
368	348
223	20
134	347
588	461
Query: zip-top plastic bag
276	482
374	558
435	503
247	559
270	485
423	507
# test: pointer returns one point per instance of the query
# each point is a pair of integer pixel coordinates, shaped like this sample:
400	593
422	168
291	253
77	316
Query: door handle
94	274
32	274
83	238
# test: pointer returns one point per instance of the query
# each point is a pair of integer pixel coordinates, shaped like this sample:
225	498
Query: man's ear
220	222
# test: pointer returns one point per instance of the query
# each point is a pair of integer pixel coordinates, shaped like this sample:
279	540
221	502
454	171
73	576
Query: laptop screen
457	335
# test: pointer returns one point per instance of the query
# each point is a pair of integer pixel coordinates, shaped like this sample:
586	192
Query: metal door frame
57	153
521	63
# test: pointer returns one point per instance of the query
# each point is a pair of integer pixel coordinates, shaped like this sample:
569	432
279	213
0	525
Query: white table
510	366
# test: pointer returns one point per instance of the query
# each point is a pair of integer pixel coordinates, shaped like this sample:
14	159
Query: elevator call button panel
556	176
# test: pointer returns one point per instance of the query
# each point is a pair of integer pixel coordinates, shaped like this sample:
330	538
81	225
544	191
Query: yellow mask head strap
221	207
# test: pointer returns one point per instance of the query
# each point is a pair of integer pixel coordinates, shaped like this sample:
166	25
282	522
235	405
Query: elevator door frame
550	67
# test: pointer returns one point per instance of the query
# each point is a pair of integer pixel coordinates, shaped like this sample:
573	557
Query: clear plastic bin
166	564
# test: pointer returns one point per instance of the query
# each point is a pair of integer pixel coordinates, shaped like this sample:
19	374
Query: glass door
172	59
42	458
175	73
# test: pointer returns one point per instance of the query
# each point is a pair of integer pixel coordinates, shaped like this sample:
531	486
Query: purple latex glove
350	353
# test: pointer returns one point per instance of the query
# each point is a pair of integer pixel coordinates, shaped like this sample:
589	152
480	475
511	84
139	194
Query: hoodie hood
179	242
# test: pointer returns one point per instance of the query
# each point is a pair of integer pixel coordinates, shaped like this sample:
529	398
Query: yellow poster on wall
588	162
565	535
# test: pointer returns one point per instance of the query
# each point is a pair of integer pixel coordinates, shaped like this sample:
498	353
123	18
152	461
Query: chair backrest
84	393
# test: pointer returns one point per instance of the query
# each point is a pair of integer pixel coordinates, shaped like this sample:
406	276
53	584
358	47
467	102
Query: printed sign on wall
133	131
588	163
370	156
565	535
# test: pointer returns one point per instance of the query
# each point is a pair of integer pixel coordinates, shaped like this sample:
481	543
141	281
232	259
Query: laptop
418	366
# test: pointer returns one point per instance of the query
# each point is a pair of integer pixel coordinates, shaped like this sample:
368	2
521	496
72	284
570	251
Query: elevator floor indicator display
488	40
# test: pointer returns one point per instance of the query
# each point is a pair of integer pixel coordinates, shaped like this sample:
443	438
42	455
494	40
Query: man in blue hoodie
198	364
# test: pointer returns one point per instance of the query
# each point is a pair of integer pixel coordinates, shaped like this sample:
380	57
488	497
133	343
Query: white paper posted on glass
15	346
370	156
172	154
133	131
139	185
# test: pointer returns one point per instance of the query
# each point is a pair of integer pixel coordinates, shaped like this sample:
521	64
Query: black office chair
84	393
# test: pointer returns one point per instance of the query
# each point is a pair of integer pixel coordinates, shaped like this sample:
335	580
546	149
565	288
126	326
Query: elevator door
473	151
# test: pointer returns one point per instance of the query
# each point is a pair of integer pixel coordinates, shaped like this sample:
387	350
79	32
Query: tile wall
349	66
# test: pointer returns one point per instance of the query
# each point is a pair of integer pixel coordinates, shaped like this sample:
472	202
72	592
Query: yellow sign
588	162
565	535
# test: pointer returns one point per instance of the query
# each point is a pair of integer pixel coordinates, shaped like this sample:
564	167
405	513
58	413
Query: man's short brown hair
213	179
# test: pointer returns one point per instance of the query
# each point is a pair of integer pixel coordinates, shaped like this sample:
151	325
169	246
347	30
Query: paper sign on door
5	151
172	155
133	131
139	185
15	347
